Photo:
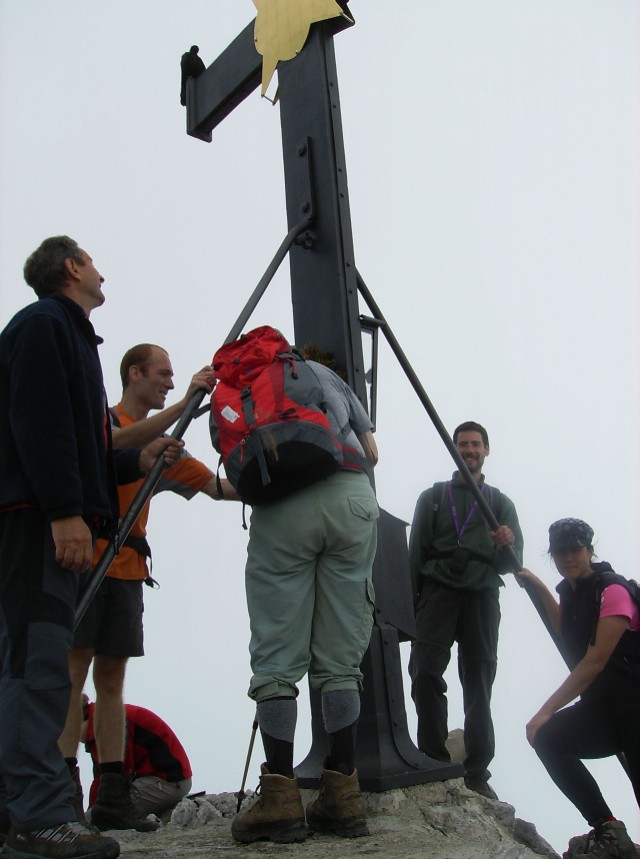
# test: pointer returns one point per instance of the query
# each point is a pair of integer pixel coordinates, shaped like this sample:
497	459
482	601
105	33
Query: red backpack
268	419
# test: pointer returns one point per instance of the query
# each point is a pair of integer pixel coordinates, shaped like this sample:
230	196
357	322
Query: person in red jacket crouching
154	760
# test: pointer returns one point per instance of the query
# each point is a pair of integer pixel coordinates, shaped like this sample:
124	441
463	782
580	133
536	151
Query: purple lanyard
460	531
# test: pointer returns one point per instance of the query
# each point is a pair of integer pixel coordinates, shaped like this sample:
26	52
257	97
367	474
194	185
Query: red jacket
151	748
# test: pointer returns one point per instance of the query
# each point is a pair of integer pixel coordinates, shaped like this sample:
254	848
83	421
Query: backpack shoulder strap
495	502
608	577
115	417
322	403
438	495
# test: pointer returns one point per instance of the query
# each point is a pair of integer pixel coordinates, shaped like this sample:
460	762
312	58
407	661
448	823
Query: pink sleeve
617	602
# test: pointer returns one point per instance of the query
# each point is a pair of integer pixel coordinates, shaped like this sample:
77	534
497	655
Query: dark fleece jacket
55	440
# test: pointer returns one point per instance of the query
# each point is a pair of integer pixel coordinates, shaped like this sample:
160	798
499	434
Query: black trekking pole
192	411
483	505
241	794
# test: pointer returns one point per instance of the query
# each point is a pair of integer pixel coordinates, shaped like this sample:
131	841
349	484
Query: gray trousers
153	795
37	604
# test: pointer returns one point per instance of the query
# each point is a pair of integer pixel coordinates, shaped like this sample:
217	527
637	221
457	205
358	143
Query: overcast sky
492	152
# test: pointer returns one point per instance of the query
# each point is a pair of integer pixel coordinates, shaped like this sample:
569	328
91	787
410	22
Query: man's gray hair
44	270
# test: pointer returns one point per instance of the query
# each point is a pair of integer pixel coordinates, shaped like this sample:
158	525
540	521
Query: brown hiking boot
611	841
65	841
277	815
113	809
339	807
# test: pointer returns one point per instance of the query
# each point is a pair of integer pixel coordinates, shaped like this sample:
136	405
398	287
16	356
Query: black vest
618	684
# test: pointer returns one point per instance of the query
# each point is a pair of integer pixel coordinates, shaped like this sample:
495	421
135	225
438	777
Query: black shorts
112	624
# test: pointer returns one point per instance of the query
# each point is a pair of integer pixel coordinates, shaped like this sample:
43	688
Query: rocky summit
441	820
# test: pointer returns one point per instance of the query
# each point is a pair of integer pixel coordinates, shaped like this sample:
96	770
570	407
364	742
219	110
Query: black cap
569	534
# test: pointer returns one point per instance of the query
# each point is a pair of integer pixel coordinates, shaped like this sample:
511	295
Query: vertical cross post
325	311
323	276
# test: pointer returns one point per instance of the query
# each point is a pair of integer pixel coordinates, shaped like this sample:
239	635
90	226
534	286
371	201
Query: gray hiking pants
37	604
153	795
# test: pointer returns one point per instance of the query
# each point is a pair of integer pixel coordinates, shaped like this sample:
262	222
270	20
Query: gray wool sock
277	717
340	709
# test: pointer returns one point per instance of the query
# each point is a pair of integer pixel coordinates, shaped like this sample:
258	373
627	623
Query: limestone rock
184	814
227	803
194	812
455	746
206	813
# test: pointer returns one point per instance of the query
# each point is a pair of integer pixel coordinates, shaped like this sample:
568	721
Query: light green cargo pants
309	588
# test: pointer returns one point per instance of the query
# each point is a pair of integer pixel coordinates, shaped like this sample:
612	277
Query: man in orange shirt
111	630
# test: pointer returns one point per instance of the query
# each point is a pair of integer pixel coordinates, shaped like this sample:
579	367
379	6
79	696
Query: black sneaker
65	841
480	786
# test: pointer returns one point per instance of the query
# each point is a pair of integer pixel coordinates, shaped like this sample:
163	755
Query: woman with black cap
598	624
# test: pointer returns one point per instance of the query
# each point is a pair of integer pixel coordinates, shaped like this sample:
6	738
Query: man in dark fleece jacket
57	493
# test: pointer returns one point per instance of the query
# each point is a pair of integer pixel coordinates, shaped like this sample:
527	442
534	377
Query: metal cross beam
223	86
323	275
325	311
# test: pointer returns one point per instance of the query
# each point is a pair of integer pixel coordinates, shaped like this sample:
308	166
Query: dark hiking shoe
480	786
78	798
277	815
66	841
113	809
610	841
339	807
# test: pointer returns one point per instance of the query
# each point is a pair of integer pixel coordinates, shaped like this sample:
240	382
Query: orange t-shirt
186	478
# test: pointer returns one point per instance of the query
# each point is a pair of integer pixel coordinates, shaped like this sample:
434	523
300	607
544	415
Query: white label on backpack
230	414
